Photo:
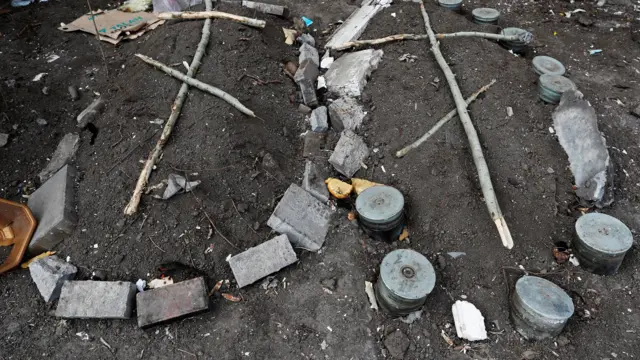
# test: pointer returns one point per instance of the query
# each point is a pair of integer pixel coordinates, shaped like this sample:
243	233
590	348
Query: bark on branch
194	15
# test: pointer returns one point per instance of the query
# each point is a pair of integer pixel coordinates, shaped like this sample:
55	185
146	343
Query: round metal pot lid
556	83
450	2
548	65
486	14
544	298
407	274
380	204
604	233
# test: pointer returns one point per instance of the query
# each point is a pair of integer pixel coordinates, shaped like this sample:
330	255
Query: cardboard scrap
114	25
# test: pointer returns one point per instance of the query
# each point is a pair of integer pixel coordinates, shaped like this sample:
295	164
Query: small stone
442	261
4	139
636	111
49	274
585	20
269	162
329	284
256	226
550	170
45	90
307	39
73	92
41	122
242	207
263	260
529	355
562	341
513	180
397	343
96	300
90	113
172	301
349	154
319	119
304	109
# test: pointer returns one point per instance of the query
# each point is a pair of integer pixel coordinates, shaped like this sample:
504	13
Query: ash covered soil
239	190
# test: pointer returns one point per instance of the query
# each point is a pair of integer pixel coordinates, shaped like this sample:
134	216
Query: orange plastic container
17	225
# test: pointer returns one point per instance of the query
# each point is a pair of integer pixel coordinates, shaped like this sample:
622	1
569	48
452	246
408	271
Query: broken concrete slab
319	119
277	10
356	23
49	274
66	150
302	217
397	343
349	154
346	113
347	76
314	144
313	180
576	125
171	302
262	260
307	72
91	112
52	205
96	300
308	53
469	321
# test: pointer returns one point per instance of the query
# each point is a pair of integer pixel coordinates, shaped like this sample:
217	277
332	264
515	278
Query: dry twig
104	58
441	122
474	143
213	225
132	207
194	15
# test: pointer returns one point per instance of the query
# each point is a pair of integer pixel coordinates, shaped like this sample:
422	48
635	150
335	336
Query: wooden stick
474	143
387	39
442	121
525	37
132	207
194	15
198	84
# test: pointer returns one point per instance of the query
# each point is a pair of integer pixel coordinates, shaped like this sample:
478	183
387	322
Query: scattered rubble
313	181
170	302
469	321
347	76
346	113
349	154
302	217
576	125
96	300
66	150
52	205
49	274
319	119
262	260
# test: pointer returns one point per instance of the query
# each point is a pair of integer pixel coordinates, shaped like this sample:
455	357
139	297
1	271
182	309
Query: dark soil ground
225	149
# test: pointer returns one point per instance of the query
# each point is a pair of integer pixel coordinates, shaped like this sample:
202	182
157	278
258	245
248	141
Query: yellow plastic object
17	225
26	264
339	189
360	185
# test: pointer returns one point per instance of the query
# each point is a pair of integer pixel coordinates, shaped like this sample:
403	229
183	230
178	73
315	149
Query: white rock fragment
469	321
368	288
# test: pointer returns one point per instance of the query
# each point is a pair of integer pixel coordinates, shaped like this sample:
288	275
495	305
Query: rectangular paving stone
262	260
52	205
349	153
96	300
303	218
170	302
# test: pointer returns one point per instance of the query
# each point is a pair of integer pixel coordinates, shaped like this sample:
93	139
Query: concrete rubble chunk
307	72
346	113
303	218
309	53
66	150
170	302
52	205
49	274
91	112
277	10
469	321
96	300
319	119
397	343
576	125
355	24
308	93
307	39
347	76
4	139
349	154
314	144
313	181
262	260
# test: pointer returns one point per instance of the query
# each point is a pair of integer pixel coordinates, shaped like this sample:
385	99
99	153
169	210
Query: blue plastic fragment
594	51
307	21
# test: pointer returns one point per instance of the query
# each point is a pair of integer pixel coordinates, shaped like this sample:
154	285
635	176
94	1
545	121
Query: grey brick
303	218
349	153
347	76
96	300
346	113
313	181
65	151
308	90
262	260
314	144
308	52
52	205
319	119
49	274
170	302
